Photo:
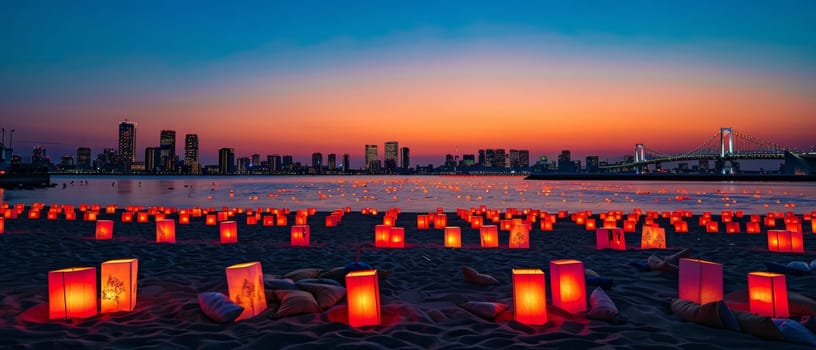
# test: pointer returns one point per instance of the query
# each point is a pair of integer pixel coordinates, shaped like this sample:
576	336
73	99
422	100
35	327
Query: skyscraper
83	158
332	162
152	159
274	163
391	153
167	149
405	159
226	161
317	162
127	145
371	158
346	163
524	158
191	161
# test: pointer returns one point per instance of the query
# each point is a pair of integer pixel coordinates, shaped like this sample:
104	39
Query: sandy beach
420	299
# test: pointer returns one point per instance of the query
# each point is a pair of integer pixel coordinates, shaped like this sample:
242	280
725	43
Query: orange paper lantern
165	231
732	227
382	236
610	238
653	238
453	237
33	214
590	224
89	216
440	221
476	222
72	293
610	222
489	236
629	225
268	220
681	227
422	222
768	294
752	227
228	231
118	285
785	241
519	236
141	217
211	220
397	237
568	285
546	225
222	216
712	227
281	220
127	216
104	229
363	298
246	288
2	225
388	220
299	236
529	296
70	215
184	219
700	281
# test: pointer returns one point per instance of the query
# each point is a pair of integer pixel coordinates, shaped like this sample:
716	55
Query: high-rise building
490	158
468	160
346	163
501	160
243	166
255	161
287	164
514	158
565	163
317	160
371	164
191	161
405	158
524	158
167	149
127	145
592	164
481	160
273	161
83	158
226	161
39	157
332	162
152	159
391	156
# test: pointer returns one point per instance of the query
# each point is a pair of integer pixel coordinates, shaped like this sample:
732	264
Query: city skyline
596	78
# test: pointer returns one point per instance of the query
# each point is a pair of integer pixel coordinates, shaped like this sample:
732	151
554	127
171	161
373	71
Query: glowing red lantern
770	221
506	225
118	285
299	236
568	285
794	226
546	225
141	217
397	237
700	281
2	225
382	236
104	229
610	222
72	293
519	236
453	237
629	225
33	214
165	231
281	220
246	288
363	298
332	220
529	296
681	227
610	238
476	222
752	227
422	222
89	216
590	224
70	215
489	236
653	238
732	227
228	231
222	216
51	215
110	209
768	294
269	220
127	216
712	227
785	241
300	219
440	221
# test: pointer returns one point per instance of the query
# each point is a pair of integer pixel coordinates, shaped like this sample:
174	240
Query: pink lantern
700	281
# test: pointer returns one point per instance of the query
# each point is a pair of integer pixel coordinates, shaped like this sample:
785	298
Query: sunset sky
276	77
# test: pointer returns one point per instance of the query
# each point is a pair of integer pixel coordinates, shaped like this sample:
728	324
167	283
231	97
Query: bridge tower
640	157
726	151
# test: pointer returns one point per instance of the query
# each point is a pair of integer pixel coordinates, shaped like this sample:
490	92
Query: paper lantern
70	215
110	209
397	237
165	231
299	220
127	216
33	214
222	216
610	222
228	231
363	298
610	238
653	238
246	288
89	216
489	236
590	224
422	222
546	225
476	222
382	236
51	215
752	227
712	227
505	225
281	220
104	229
2	225
732	227
118	285
700	281
72	293
519	236
184	219
268	220
568	285
681	227
440	221
141	217
388	220
629	225
529	296
768	294
453	237
331	220
794	226
299	236
785	241
770	221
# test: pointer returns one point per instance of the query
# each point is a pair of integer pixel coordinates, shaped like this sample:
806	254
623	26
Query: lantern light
72	293
104	229
363	298
165	231
700	281
653	237
489	236
246	288
610	238
519	236
118	285
299	236
453	237
228	231
785	241
529	296
568	285
768	294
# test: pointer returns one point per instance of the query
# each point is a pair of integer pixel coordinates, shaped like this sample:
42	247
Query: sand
420	300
